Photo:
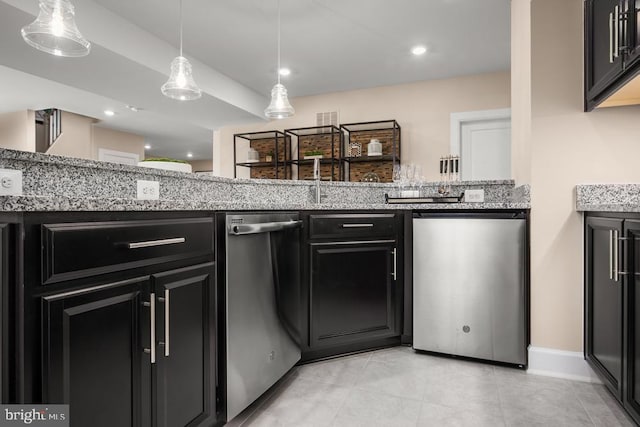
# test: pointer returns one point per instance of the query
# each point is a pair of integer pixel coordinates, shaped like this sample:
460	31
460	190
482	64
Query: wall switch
148	190
10	182
474	196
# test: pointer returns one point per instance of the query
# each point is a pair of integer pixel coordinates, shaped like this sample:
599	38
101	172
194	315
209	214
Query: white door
486	150
482	139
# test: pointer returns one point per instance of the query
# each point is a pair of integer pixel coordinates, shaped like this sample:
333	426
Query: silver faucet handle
316	169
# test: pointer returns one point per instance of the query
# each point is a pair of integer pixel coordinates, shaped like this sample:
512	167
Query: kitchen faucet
316	178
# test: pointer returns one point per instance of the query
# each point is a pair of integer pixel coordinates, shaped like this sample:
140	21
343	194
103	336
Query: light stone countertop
608	198
55	183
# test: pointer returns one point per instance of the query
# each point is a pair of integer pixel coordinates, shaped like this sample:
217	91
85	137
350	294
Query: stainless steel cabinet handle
152	321
395	263
150	243
620	241
611	38
263	227
616	27
166	322
610	254
357	225
616	275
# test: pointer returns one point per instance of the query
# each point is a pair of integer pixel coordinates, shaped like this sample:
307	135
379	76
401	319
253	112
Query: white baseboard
560	364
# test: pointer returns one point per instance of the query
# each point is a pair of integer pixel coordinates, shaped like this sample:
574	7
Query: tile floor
399	387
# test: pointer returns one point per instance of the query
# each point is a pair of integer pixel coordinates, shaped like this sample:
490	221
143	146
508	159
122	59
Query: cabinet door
602	64
632	34
632	263
604	302
184	381
353	292
93	356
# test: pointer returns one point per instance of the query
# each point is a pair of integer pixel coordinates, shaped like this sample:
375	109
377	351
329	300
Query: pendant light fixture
279	108
54	31
181	85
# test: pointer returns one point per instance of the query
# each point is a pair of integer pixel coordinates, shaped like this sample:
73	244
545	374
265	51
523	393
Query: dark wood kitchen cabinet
353	283
603	64
120	321
93	353
612	304
604	303
632	261
612	47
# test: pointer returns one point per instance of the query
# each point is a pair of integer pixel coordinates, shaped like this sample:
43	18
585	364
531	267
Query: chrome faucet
316	178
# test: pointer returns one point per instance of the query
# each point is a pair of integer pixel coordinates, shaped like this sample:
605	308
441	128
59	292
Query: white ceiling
330	45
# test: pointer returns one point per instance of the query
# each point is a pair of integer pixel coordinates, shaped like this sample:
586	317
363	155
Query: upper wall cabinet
612	50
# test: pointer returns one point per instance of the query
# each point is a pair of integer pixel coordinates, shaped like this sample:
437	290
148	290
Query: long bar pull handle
611	38
357	225
167	322
610	254
616	270
616	27
151	243
395	264
264	227
152	321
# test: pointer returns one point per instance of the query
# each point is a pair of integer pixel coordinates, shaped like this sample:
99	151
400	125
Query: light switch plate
10	182
474	196
148	190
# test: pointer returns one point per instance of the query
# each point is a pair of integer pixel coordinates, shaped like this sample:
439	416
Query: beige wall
18	130
568	147
79	138
422	109
75	140
521	91
116	140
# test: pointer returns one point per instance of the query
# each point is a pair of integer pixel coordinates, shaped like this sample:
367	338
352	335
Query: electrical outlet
148	190
10	182
474	196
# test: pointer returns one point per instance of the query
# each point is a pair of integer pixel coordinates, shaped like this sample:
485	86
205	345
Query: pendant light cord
278	70
180	27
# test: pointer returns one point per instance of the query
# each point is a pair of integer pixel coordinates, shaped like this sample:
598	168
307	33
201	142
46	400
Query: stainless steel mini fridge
469	285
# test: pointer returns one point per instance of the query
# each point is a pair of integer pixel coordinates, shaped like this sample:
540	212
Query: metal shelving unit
328	140
387	132
263	142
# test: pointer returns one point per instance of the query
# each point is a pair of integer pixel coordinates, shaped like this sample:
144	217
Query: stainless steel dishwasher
469	285
262	303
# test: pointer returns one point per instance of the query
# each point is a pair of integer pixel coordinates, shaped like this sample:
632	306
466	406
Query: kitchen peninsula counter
55	183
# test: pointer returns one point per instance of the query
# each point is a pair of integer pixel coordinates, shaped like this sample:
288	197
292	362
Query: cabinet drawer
77	250
351	225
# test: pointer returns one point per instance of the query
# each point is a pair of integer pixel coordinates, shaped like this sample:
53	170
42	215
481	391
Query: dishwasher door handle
264	227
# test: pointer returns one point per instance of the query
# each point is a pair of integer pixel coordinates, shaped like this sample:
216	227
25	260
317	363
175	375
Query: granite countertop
63	204
55	183
608	197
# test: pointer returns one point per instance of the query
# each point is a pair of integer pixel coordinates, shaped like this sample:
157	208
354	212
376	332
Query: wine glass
397	176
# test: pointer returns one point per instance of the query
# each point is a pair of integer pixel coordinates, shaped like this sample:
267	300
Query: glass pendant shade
54	31
181	85
279	108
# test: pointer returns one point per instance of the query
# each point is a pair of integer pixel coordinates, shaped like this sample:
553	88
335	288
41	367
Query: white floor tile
400	387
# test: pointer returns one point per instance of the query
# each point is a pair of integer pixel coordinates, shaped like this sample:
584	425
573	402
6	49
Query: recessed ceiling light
147	146
418	50
133	108
189	155
284	71
109	113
